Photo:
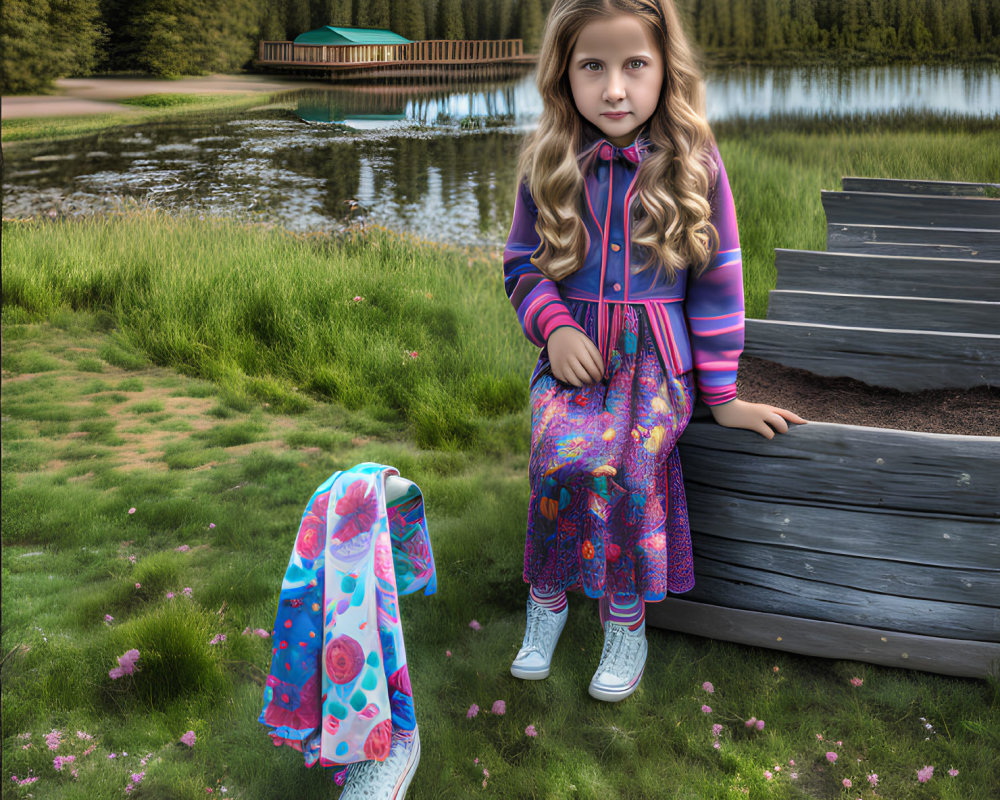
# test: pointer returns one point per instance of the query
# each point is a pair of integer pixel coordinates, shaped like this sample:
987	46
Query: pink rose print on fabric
344	659
320	505
312	531
357	510
378	741
399	681
383	561
331	724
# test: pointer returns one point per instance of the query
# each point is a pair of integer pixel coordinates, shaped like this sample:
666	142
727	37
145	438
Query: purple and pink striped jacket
697	320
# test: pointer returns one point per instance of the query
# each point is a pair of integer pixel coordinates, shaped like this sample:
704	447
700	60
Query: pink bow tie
630	153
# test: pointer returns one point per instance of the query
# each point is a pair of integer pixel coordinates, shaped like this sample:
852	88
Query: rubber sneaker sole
611	694
411	768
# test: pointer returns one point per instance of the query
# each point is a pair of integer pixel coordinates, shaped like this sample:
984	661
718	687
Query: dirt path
99	95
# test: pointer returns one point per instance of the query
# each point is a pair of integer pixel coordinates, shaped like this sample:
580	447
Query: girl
623	263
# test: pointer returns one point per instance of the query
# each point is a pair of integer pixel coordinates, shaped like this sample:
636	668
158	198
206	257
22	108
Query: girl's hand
754	417
574	358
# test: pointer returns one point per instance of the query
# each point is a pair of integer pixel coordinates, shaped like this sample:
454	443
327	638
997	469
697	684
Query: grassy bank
135	492
146	108
272	317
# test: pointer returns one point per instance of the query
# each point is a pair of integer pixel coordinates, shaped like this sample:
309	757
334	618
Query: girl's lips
615	114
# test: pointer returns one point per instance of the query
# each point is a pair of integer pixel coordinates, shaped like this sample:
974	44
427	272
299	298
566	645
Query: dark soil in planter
974	412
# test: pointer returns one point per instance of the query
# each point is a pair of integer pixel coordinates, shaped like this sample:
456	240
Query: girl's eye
636	63
592	66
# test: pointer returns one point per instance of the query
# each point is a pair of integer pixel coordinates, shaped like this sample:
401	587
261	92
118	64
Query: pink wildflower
473	711
831	756
953	772
412	354
819	736
89	750
126	664
170	595
716	730
211	525
131	510
707	686
475	625
530	731
138	586
84	736
53	739
112	755
768	774
261	633
873	779
447	653
59	761
924	775
793	775
186	591
131	559
751	722
358	298
847	783
716	744
499	707
856	681
219	638
775	669
706	709
188	739
182	549
760	724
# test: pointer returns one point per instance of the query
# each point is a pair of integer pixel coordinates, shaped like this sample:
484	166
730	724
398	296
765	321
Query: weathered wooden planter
853	542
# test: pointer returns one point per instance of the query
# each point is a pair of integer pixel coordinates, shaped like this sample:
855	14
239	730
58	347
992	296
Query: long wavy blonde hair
670	210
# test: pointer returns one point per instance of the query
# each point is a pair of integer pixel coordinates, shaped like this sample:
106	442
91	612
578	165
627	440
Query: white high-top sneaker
622	662
389	779
541	634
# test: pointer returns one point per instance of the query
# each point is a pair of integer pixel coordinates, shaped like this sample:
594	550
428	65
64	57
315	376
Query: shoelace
621	650
541	622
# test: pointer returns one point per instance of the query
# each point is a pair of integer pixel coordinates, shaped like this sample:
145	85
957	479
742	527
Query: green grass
146	108
73	553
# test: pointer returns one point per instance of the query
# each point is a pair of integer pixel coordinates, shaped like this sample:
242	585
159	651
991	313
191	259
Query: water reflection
436	162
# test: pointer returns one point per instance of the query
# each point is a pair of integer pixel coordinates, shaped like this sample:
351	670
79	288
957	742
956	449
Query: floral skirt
607	513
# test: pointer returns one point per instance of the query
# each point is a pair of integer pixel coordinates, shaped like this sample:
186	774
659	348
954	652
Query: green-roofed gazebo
329	34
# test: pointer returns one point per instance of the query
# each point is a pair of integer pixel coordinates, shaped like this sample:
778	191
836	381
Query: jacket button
615	247
617	287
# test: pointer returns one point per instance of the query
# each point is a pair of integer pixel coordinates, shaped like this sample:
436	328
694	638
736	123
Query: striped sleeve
714	303
540	308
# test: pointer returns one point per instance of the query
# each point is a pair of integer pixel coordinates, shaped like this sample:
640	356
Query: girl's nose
614	89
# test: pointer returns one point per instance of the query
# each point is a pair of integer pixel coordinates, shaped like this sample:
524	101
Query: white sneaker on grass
541	634
389	779
622	662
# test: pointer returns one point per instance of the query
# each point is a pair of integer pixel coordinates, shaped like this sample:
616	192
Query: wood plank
788	633
916	242
901	579
905	313
849	467
911	209
907	360
900	276
896	186
863	532
719	583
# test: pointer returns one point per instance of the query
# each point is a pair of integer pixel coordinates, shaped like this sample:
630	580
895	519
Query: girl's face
615	74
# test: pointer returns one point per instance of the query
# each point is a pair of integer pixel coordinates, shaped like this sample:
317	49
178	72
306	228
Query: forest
47	39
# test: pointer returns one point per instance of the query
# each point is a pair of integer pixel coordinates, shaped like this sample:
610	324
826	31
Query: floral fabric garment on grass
607	513
338	682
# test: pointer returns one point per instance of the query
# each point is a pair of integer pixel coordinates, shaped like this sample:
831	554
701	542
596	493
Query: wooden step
920	242
907	360
869	208
950	278
905	313
896	186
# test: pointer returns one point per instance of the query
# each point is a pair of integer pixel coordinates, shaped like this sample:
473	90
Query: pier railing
432	51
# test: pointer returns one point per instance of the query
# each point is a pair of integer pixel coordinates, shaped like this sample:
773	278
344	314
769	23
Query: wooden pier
493	57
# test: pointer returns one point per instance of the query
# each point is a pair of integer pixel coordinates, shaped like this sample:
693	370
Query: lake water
436	162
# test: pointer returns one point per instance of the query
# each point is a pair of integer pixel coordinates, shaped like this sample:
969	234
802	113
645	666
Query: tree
530	22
